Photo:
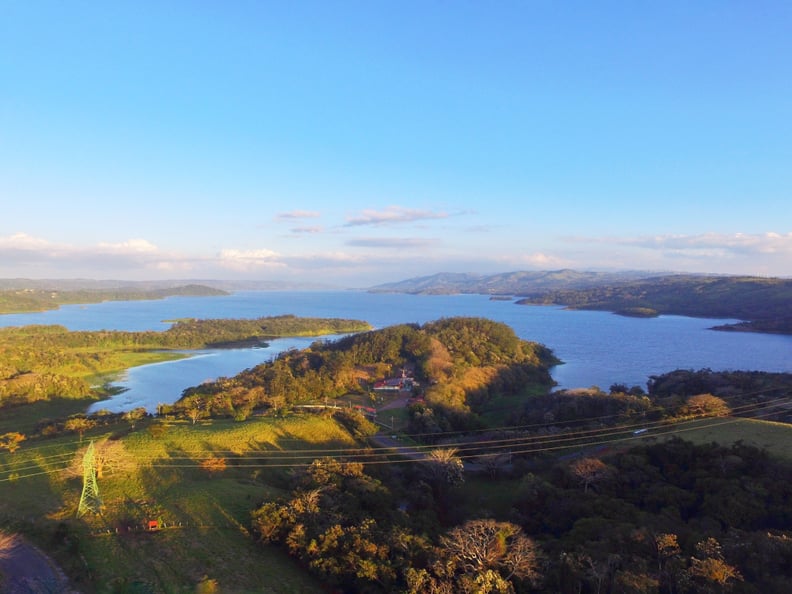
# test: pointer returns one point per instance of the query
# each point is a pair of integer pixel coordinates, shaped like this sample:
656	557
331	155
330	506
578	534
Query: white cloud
23	241
391	215
249	260
298	214
24	255
132	246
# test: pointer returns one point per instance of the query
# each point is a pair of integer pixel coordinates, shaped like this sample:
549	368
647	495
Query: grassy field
152	476
127	359
774	437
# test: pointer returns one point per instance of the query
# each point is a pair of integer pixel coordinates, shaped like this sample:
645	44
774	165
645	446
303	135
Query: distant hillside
765	304
507	283
87	284
43	299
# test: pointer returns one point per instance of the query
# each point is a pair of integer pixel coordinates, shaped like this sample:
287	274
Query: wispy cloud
298	214
392	242
706	244
307	230
393	215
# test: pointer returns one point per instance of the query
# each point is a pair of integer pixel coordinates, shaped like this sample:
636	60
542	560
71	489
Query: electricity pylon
89	501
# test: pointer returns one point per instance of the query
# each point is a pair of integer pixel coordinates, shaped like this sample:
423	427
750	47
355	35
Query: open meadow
154	474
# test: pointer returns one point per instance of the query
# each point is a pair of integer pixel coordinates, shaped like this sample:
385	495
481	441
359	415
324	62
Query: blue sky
354	143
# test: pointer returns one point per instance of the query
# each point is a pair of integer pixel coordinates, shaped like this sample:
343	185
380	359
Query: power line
520	445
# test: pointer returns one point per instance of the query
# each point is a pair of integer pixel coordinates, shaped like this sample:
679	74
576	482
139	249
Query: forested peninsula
462	365
764	304
34	299
43	362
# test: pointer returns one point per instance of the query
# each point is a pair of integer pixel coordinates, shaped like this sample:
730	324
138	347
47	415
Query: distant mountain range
508	283
764	304
87	284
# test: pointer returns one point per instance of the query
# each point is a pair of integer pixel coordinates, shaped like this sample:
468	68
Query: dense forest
41	299
763	303
43	362
667	517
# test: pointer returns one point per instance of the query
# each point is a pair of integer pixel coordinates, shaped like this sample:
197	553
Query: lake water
598	348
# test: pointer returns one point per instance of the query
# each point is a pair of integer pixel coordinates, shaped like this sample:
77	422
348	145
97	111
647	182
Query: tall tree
490	552
589	470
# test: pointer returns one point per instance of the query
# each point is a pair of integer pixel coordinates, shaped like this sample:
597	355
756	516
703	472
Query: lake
598	348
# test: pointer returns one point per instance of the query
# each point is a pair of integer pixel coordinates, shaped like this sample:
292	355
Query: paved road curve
26	570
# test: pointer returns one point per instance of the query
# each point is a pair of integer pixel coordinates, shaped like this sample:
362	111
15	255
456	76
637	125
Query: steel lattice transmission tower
89	501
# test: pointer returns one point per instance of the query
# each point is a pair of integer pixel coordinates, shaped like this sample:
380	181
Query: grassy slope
774	437
213	539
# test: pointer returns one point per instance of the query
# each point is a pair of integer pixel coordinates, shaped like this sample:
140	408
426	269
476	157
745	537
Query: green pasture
775	438
156	475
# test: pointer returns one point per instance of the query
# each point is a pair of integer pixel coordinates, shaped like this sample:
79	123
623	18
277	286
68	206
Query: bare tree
481	546
589	470
194	413
705	405
111	456
712	571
